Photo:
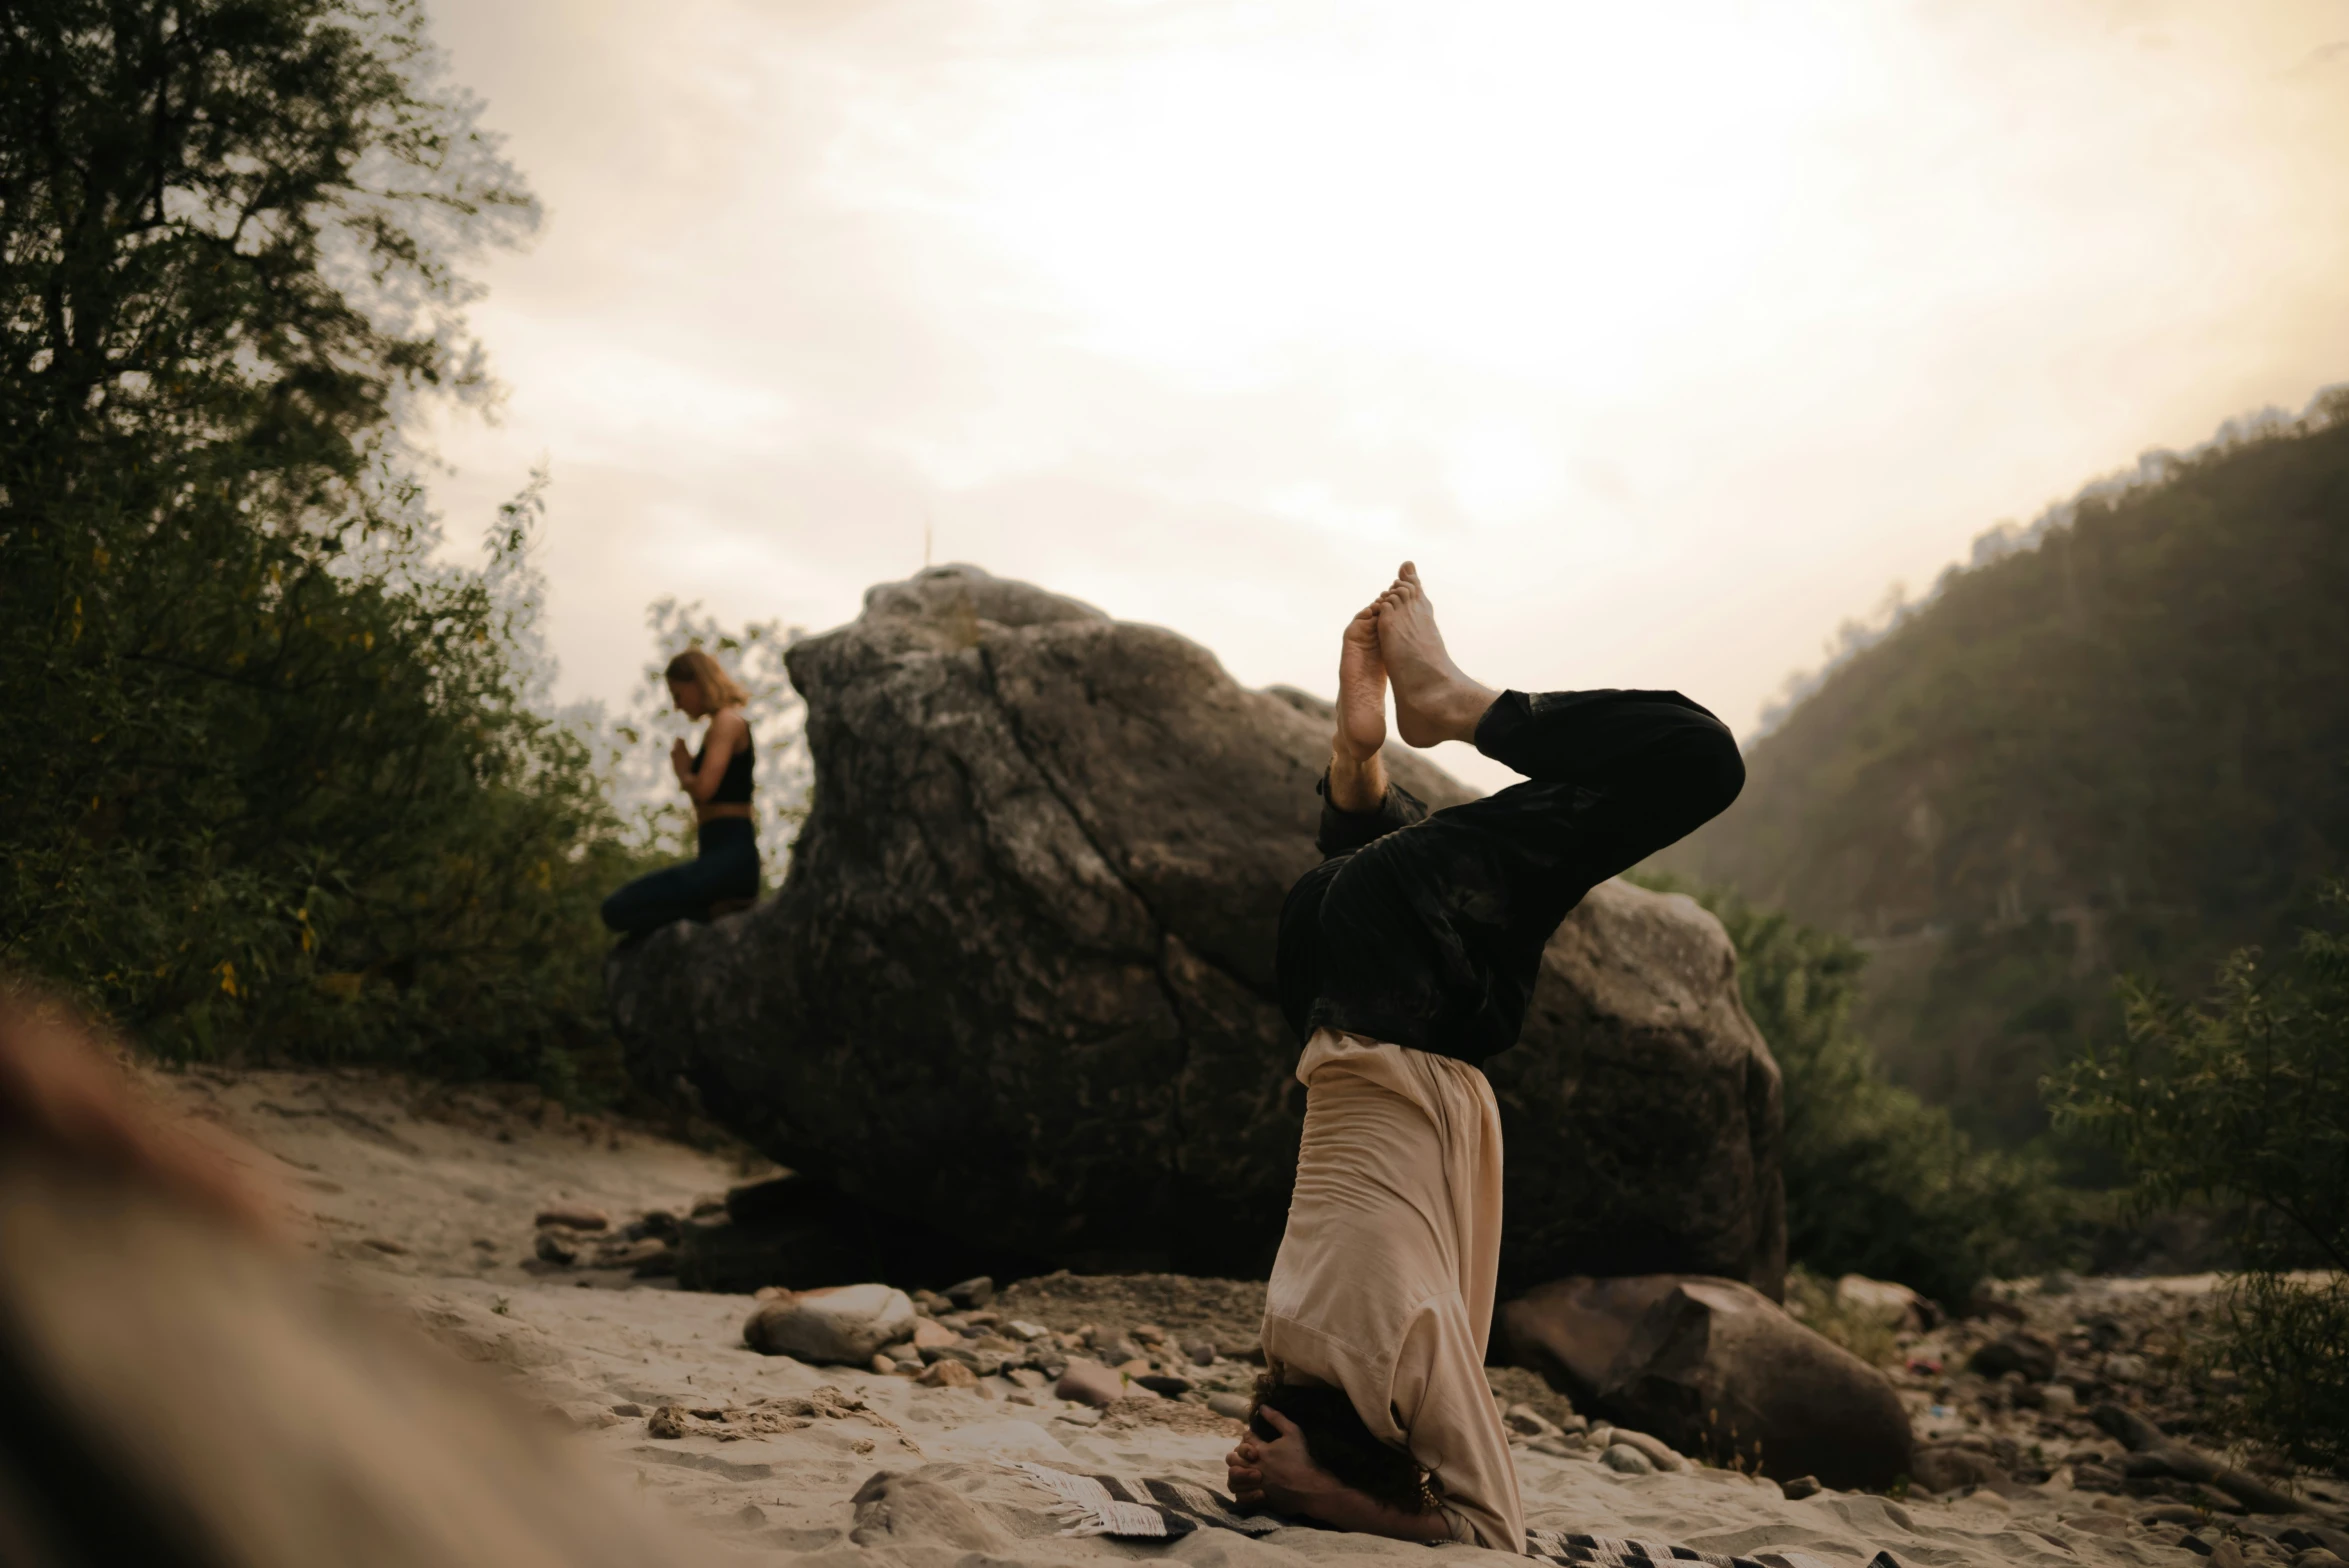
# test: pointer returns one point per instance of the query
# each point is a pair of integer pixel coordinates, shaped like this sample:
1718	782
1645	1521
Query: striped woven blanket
1162	1508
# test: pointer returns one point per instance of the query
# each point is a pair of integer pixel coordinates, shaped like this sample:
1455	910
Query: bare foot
1434	701
1362	689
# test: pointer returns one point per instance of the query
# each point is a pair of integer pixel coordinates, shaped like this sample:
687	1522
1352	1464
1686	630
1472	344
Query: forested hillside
2123	751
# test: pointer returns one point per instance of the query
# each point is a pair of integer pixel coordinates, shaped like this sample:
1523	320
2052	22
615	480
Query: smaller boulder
1627	1460
948	1374
557	1247
972	1293
845	1324
1887	1302
1713	1368
1948	1467
574	1216
1800	1487
1088	1382
2020	1352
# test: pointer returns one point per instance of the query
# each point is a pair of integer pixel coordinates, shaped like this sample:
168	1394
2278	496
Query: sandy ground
427	1199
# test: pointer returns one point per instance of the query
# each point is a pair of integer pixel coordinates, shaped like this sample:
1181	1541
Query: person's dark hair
1339	1442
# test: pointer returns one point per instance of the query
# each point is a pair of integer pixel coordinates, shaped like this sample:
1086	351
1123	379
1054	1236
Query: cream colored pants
1384	1283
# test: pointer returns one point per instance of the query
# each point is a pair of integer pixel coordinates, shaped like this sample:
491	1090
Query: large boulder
1714	1368
1019	982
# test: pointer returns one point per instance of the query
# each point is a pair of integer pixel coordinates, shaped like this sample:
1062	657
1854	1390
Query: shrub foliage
275	776
2244	1099
1877	1182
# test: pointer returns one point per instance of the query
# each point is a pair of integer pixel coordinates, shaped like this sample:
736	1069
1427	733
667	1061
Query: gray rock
1019	980
2016	1352
1800	1487
846	1325
972	1293
1627	1460
1947	1467
1712	1368
1090	1383
1232	1406
556	1247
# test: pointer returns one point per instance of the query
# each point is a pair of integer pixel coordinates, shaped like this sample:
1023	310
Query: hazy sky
1664	336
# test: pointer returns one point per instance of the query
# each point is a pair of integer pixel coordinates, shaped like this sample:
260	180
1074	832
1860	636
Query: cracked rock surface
1019	982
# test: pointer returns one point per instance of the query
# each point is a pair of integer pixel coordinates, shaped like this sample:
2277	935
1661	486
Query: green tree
277	779
2245	1099
1877	1182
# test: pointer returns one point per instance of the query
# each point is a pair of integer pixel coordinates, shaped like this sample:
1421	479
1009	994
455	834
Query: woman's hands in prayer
1281	1476
681	762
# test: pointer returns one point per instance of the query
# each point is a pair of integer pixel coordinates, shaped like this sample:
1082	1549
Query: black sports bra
734	788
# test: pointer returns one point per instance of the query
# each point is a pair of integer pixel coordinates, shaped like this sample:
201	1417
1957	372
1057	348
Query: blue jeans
727	867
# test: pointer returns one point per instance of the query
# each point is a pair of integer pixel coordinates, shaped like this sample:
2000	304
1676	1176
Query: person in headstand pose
717	779
1406	958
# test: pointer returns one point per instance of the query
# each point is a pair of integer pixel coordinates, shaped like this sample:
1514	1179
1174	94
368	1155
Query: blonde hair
718	689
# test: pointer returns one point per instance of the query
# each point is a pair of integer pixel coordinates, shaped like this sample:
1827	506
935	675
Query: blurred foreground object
178	1389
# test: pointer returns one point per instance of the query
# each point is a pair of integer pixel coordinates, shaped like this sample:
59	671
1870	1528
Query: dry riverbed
428	1199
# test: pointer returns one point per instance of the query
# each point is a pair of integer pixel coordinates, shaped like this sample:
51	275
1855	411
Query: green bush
2244	1099
1877	1182
278	781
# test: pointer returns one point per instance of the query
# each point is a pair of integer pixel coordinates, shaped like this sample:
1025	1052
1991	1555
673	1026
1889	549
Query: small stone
844	1324
2225	1554
386	1244
1166	1387
1090	1383
1022	1396
645	1256
2316	1557
1624	1459
1022	1329
1136	1366
1525	1421
1800	1487
2099	1524
749	1516
574	1216
2124	1368
1658	1452
628	1408
931	1303
1232	1406
552	1248
1026	1377
1201	1352
948	1374
2016	1352
930	1334
2058	1399
2197	1545
885	1365
974	1292
1564	1448
2170	1513
1149	1333
1081	1415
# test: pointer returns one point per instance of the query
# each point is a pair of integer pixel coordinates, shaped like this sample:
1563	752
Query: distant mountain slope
2124	749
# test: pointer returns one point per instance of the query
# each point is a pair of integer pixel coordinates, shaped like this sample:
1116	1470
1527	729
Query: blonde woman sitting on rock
1406	959
717	778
